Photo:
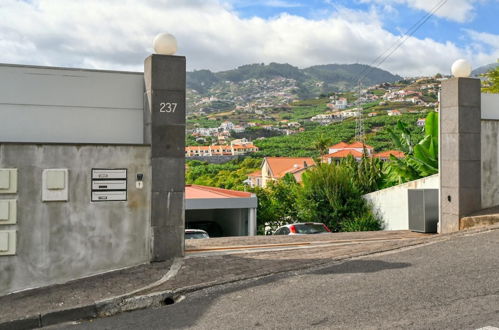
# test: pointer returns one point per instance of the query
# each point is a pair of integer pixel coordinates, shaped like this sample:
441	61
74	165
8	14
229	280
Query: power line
410	32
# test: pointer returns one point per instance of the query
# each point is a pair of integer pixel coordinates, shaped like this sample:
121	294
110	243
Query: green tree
491	83
322	144
277	204
328	195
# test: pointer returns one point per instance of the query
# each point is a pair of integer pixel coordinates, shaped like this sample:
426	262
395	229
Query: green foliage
491	83
366	174
303	144
276	204
421	159
322	144
366	222
229	175
329	195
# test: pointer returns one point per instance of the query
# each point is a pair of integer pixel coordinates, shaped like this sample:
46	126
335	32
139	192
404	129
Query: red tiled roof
386	154
343	145
193	191
360	145
279	166
343	154
339	145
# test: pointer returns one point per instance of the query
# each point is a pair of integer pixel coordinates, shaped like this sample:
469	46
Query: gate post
460	151
164	129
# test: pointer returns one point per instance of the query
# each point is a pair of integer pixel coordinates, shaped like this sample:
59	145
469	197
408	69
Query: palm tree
322	144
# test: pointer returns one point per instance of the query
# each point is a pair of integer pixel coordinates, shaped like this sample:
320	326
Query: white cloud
117	34
455	10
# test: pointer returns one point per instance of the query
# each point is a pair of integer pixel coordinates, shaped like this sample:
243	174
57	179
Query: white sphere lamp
461	68
165	44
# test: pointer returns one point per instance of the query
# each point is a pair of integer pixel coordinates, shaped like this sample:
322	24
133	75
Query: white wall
490	106
45	104
392	205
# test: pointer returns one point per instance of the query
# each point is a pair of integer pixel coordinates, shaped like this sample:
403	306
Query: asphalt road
452	284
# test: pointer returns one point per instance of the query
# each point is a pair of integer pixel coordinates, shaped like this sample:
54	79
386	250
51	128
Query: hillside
483	69
274	84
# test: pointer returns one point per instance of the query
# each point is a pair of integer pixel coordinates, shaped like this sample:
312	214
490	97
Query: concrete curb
127	303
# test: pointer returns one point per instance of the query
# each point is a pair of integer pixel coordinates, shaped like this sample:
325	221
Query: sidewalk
161	283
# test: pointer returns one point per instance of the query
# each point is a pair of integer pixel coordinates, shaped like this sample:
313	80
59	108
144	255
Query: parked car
195	234
212	228
303	228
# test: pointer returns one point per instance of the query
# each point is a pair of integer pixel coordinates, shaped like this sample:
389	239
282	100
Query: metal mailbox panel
100	196
109	185
108	174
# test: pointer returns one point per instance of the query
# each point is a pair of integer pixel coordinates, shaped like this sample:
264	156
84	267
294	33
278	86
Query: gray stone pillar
164	129
460	151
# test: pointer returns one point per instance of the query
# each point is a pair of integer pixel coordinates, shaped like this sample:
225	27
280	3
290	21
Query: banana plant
421	159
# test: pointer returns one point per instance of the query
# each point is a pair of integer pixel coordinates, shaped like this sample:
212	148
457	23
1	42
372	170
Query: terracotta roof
386	154
343	154
343	145
256	173
279	166
339	145
193	191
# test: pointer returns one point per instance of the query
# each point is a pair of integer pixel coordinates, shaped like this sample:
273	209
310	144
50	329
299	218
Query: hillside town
273	111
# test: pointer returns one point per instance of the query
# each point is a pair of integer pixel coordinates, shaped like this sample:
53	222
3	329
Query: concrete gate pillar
164	129
460	151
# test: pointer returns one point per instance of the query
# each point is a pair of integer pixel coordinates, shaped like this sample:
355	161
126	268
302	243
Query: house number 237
167	107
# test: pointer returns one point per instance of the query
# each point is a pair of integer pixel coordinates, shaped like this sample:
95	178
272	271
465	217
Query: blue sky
397	17
223	34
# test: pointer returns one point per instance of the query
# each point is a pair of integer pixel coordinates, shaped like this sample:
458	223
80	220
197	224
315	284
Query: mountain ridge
334	77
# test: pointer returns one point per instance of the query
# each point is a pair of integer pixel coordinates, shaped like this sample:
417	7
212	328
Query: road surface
451	284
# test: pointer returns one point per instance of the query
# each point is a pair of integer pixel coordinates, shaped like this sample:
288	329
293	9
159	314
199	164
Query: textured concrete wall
45	104
490	163
392	203
60	241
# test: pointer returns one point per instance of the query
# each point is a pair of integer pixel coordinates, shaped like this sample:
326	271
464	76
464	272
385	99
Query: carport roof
203	197
193	191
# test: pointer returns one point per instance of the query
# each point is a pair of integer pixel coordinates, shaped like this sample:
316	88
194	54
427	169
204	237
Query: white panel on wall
43	104
8	211
8	180
55	185
7	242
490	106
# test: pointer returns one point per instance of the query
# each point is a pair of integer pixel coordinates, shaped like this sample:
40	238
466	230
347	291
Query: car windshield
310	228
196	235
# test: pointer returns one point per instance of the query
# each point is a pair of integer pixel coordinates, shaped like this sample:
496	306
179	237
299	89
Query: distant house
385	155
275	168
220	150
421	122
356	112
341	103
343	150
341	154
393	113
357	146
372	114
